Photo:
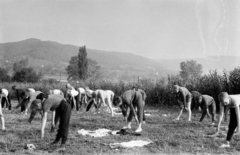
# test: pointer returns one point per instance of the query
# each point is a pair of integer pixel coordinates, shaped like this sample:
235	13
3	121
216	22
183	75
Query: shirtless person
233	102
6	99
100	97
184	98
131	99
60	109
74	96
207	102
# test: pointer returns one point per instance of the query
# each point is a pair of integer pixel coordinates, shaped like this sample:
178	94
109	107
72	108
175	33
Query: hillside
47	55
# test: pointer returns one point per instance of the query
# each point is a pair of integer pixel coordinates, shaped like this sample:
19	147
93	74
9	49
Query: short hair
35	103
14	87
41	96
222	95
117	100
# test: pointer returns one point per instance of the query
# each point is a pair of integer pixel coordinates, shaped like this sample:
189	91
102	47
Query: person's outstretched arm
219	119
238	118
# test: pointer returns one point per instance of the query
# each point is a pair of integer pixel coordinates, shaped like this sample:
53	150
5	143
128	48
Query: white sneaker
225	146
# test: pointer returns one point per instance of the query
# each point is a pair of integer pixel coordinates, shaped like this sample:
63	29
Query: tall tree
82	63
72	68
81	67
190	70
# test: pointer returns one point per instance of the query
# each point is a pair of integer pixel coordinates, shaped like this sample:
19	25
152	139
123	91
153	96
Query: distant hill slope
209	63
55	55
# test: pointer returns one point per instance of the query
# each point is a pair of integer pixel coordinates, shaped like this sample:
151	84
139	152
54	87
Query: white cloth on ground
133	143
97	133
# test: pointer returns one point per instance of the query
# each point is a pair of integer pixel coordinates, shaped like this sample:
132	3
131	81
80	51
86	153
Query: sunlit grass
169	137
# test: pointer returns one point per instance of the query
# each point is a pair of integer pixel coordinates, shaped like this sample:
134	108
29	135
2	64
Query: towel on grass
130	144
97	133
106	132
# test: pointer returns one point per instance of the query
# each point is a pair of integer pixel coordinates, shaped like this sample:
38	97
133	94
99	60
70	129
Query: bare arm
44	120
220	118
206	107
134	112
238	118
53	118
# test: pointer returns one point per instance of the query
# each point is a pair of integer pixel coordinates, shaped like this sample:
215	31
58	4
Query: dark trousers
232	124
138	105
72	103
64	112
4	101
23	106
24	103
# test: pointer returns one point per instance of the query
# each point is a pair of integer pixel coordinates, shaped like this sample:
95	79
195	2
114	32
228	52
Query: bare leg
189	111
2	118
180	113
110	106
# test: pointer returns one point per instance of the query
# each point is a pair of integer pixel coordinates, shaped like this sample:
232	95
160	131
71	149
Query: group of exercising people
188	100
131	103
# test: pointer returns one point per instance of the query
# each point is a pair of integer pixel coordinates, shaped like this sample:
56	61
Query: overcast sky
151	28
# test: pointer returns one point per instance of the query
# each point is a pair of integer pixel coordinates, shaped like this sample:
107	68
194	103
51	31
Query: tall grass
159	91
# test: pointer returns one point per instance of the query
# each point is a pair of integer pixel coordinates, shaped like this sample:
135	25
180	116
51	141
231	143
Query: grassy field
168	137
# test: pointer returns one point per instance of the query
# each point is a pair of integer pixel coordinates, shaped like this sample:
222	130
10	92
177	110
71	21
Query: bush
4	77
234	81
27	75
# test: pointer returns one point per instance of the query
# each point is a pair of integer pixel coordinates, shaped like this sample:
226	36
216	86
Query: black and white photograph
123	77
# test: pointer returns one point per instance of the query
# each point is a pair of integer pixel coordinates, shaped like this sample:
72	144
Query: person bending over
100	97
27	98
55	91
233	103
61	111
144	96
73	96
207	102
6	99
195	98
132	100
19	95
184	98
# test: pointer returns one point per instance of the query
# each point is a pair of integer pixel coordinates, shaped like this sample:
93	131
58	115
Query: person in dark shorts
207	103
134	101
184	97
195	98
